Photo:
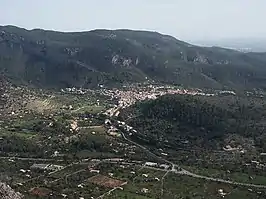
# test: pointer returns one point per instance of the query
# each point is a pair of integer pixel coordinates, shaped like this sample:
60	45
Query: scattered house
80	186
53	167
63	195
107	122
117	113
221	193
123	123
133	172
145	175
22	171
164	154
56	153
185	142
47	167
151	164
74	125
111	174
164	166
95	160
242	151
255	162
144	190
263	154
94	171
114	134
19	184
157	179
227	93
128	128
229	148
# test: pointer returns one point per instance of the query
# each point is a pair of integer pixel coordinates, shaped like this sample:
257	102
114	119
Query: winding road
178	170
182	171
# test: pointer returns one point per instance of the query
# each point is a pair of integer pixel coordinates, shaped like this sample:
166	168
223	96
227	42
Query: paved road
108	192
148	151
66	176
30	159
91	127
162	183
44	175
182	171
220	180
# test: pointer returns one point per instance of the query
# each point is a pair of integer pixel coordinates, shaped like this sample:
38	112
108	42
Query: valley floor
78	148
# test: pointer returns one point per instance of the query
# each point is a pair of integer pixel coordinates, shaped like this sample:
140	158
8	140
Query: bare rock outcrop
6	192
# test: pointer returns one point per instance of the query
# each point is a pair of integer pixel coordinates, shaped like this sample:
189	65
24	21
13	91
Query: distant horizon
200	42
252	44
187	20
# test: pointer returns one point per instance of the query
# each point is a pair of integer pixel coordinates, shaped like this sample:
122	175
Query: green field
89	109
187	187
251	177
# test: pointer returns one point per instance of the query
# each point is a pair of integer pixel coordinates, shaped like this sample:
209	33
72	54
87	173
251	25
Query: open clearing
106	181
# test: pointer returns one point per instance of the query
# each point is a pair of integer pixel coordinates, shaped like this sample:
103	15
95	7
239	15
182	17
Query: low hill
198	121
84	59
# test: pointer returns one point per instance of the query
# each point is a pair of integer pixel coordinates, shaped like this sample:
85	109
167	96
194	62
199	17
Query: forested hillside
114	57
206	122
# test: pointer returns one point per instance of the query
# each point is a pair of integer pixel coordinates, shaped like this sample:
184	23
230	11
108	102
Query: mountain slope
56	59
204	122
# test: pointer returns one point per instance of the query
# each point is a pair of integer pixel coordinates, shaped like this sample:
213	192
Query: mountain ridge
114	57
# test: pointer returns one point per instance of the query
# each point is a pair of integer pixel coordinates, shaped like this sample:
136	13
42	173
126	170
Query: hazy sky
184	19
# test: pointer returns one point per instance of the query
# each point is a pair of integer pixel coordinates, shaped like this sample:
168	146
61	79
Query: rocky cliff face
6	192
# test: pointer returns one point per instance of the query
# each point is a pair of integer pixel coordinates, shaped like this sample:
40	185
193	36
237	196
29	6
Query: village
74	146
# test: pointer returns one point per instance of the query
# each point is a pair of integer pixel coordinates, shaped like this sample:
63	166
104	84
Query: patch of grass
187	187
245	178
96	129
89	109
89	154
26	135
41	105
26	123
251	177
124	194
68	170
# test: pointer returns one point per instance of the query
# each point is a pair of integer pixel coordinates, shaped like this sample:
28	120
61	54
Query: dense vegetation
48	58
201	121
